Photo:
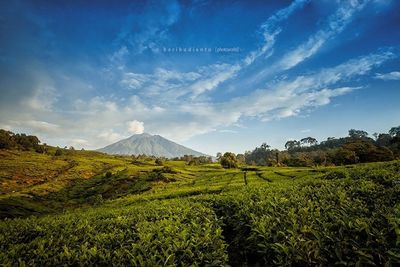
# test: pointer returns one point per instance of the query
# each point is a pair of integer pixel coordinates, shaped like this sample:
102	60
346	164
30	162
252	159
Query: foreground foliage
171	233
140	213
350	220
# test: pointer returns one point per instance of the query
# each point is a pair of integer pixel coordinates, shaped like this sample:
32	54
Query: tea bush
182	215
175	233
346	221
336	174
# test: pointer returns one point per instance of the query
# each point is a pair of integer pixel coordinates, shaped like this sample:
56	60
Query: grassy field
87	208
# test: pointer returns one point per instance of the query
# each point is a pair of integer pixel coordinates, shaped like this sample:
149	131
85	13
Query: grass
93	209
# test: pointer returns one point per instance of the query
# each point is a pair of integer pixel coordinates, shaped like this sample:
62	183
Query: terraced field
87	208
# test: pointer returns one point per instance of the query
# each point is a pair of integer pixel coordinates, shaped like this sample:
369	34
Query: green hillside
88	208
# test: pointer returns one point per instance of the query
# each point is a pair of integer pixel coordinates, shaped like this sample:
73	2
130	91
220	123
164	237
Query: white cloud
109	136
181	120
171	85
335	24
136	127
220	73
270	30
135	80
227	131
394	75
36	126
282	99
44	93
79	141
142	33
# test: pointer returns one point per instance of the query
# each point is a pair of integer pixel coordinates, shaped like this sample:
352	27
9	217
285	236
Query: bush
313	223
58	152
228	160
174	233
159	174
336	174
40	149
167	169
6	141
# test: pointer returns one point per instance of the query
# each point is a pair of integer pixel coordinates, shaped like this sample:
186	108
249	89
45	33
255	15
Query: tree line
10	140
357	147
24	142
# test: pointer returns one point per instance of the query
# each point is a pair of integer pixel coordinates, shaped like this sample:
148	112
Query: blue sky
88	74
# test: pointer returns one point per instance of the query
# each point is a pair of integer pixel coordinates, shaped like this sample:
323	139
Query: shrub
58	152
167	169
336	174
228	160
174	233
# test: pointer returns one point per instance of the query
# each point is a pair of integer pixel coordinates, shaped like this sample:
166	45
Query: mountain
148	144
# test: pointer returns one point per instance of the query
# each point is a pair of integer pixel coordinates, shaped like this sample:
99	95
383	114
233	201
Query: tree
309	141
159	162
395	131
380	154
58	152
383	139
228	160
9	140
41	149
262	156
319	157
343	156
241	159
204	159
292	144
26	142
264	146
361	148
358	133
193	161
6	139
299	159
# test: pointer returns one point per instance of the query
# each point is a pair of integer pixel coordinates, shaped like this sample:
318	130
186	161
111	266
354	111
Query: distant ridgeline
357	147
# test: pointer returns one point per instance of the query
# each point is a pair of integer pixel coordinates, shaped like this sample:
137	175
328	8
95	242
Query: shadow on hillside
82	192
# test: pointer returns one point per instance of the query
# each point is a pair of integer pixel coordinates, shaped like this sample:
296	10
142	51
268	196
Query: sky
215	76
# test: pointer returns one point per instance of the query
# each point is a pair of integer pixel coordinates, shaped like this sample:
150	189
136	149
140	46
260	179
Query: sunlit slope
33	183
137	213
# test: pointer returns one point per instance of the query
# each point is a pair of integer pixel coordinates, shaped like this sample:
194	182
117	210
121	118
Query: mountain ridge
151	145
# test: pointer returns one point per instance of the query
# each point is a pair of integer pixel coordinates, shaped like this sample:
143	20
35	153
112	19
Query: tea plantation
87	208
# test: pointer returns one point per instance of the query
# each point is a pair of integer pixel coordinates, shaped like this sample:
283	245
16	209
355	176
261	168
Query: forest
357	147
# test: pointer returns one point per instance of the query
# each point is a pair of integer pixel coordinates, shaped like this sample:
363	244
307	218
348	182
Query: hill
96	209
151	145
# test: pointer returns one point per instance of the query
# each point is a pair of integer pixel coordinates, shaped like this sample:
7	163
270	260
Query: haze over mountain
154	145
